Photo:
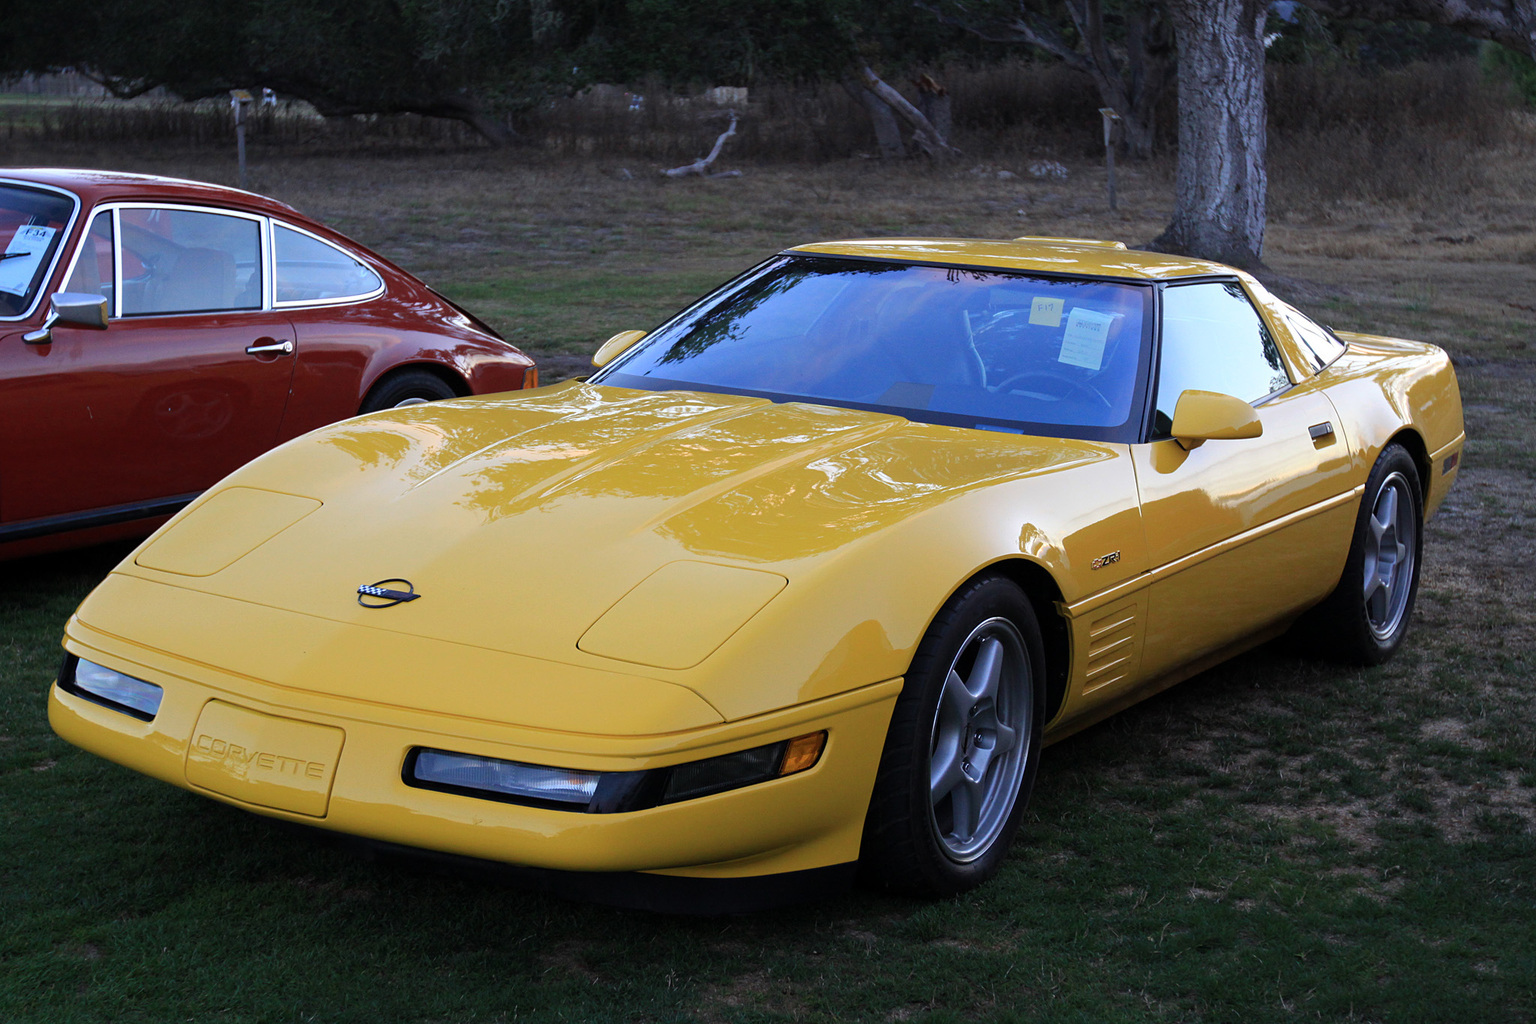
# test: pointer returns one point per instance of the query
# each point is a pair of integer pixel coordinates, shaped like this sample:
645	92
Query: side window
1321	346
93	264
309	270
1214	340
187	261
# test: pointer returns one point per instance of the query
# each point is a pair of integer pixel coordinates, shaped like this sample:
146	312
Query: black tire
407	387
916	839
1362	626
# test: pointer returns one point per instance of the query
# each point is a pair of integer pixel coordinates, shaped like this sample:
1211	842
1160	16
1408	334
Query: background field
1273	840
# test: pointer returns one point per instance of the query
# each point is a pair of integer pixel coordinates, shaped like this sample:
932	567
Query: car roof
1045	255
98	186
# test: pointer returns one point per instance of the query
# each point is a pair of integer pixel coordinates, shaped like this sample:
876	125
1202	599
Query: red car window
187	261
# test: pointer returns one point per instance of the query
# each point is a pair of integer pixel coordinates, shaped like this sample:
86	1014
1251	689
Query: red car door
187	383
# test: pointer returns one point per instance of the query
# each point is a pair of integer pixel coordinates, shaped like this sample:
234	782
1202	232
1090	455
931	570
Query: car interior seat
198	279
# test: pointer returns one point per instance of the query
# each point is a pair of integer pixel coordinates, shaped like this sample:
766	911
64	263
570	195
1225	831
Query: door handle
1321	430
275	348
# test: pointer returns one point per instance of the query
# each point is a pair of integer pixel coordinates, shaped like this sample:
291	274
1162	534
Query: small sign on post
240	100
1111	121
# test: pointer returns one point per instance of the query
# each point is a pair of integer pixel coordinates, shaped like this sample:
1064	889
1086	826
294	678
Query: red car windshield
970	347
32	226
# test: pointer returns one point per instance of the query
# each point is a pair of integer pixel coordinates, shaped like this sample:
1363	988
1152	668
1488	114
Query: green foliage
742	43
1303	36
723	44
450	58
1518	69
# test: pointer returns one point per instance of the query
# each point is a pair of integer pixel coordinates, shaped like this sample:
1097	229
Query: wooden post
1111	119
240	99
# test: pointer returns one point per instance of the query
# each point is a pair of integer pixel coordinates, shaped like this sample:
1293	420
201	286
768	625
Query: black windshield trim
1059	275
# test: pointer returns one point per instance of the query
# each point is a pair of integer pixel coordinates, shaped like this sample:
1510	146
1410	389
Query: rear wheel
1366	617
963	746
407	387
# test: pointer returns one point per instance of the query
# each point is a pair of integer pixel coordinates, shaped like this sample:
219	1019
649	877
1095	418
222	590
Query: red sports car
155	334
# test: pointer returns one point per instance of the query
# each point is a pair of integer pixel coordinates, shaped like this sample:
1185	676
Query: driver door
187	383
1241	534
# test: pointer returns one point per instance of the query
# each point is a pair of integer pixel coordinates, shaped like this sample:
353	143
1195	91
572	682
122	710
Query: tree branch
924	133
1509	22
701	165
1021	29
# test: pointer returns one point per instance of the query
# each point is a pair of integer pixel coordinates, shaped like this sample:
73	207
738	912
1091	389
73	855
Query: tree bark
933	101
1221	186
882	117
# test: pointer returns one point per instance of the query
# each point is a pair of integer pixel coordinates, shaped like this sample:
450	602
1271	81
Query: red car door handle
272	348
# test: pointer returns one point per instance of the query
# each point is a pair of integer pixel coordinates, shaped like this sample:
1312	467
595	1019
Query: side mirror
616	345
1203	416
78	309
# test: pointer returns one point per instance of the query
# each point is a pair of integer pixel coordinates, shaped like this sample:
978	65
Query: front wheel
1364	620
963	746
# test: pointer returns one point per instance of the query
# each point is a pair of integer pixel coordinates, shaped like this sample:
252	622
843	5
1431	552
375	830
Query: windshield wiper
10	255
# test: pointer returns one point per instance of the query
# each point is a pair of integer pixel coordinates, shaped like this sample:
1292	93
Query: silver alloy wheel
979	745
410	401
1390	543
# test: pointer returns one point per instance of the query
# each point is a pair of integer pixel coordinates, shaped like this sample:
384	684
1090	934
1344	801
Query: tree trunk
928	138
887	129
1220	192
933	101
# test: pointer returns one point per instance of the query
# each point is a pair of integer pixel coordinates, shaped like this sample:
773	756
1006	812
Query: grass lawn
1273	840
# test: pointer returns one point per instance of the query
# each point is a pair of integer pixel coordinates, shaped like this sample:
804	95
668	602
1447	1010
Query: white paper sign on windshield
22	257
1082	344
1046	312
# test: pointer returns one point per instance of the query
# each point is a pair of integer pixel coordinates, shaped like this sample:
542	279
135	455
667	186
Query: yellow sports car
801	581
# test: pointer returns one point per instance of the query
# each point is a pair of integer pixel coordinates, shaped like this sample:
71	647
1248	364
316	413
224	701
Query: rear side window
1319	345
188	261
310	270
1214	340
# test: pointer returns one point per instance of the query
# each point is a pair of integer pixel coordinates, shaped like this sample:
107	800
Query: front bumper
801	822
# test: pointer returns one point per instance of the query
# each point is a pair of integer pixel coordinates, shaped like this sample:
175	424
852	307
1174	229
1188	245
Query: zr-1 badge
1103	560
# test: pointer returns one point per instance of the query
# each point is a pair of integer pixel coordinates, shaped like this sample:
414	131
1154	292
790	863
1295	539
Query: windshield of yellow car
981	348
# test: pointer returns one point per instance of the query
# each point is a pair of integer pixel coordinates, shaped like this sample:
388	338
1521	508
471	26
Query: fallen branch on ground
701	165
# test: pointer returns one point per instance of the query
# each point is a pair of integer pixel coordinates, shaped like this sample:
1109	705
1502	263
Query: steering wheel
1066	386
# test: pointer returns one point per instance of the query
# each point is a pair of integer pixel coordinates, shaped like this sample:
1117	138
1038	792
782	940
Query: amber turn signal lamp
802	752
530	378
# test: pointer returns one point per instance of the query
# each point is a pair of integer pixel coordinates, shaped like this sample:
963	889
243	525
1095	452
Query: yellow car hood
522	520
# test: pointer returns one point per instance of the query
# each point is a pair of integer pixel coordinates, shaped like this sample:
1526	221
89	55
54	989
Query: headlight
506	778
110	688
608	792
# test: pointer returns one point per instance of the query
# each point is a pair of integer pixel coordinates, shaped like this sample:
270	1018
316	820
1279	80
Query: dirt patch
568	959
751	993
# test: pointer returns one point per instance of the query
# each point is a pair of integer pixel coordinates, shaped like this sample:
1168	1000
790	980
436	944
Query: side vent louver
1111	647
